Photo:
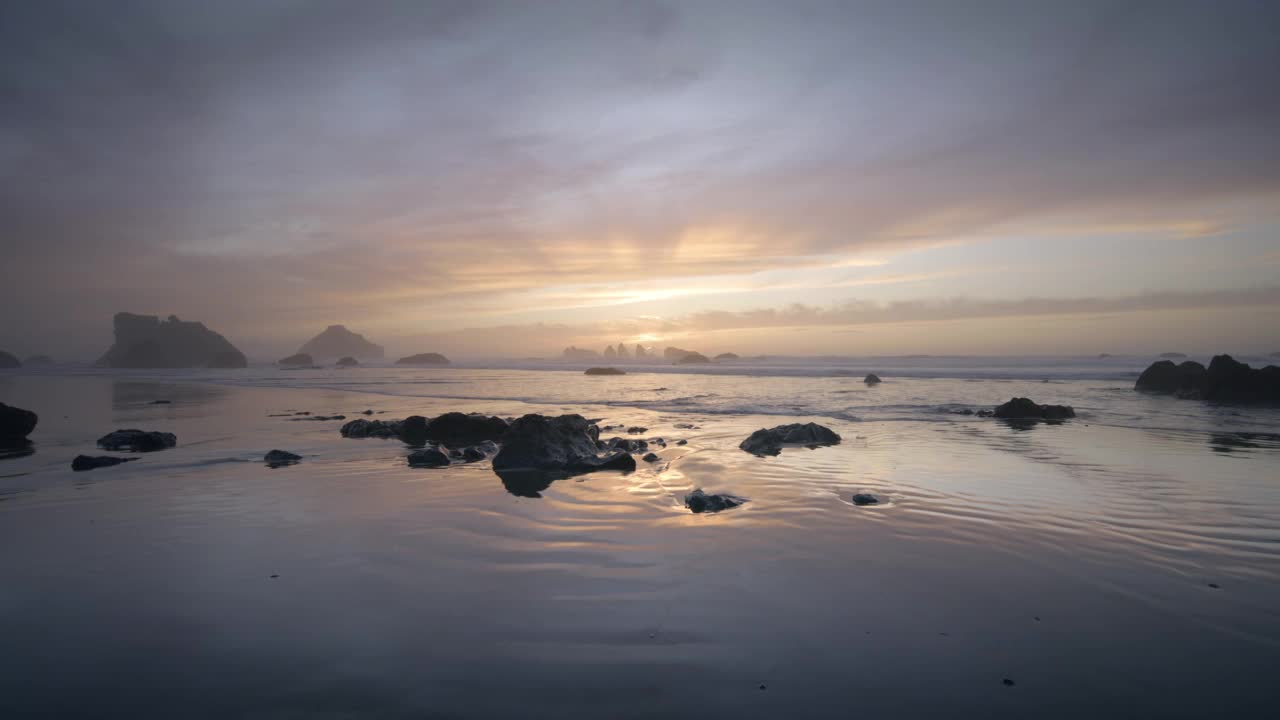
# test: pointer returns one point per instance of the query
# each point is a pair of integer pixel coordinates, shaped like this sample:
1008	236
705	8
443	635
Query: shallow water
1074	559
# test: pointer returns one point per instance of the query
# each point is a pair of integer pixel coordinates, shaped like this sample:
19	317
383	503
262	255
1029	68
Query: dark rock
685	426
627	444
1025	409
457	428
132	440
727	356
145	341
604	371
280	458
637	430
474	453
16	424
650	457
429	457
337	341
682	442
1007	682
1185	379
1229	381
88	462
565	443
700	502
347	361
865	499
412	430
658	441
693	358
298	360
322	417
362	428
771	441
161	402
871	379
424	359
8	360
37	361
367	412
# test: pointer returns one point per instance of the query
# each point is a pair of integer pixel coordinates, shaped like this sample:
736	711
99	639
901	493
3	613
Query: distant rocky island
297	360
337	341
424	359
9	361
146	341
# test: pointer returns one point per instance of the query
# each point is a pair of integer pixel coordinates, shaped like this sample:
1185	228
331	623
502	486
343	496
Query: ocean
1125	563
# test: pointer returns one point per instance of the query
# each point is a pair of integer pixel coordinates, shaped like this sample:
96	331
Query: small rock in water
771	441
627	444
161	402
1025	409
865	499
87	462
473	453
134	440
700	502
682	442
685	426
636	430
871	379
650	458
15	424
280	458
1007	682
429	457
1215	586
367	412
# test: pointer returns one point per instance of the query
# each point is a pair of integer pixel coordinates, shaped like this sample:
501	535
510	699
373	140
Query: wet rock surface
566	443
430	457
771	441
1026	409
280	458
457	428
650	458
133	440
89	462
16	424
700	502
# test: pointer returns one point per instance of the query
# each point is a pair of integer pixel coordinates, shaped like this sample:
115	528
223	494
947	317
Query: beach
1125	563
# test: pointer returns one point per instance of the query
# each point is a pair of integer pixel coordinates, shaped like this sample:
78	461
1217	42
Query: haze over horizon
489	179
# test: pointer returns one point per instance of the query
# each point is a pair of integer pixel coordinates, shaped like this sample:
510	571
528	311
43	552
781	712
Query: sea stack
146	341
337	341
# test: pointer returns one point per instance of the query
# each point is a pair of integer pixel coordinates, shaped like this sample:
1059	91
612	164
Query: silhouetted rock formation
144	341
137	440
298	360
1225	380
1165	377
411	430
700	502
622	352
16	424
89	462
577	353
347	361
9	361
610	353
457	428
1025	409
771	441
673	354
693	358
38	361
865	499
280	458
424	359
727	356
566	443
336	341
604	371
871	379
1173	356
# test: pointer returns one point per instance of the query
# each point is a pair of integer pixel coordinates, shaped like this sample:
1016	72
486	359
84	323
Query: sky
493	179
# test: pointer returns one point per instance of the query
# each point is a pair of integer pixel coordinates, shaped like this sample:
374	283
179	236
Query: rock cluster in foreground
1225	380
565	444
772	440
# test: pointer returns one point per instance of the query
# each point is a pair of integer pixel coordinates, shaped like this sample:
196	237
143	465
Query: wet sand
1074	560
